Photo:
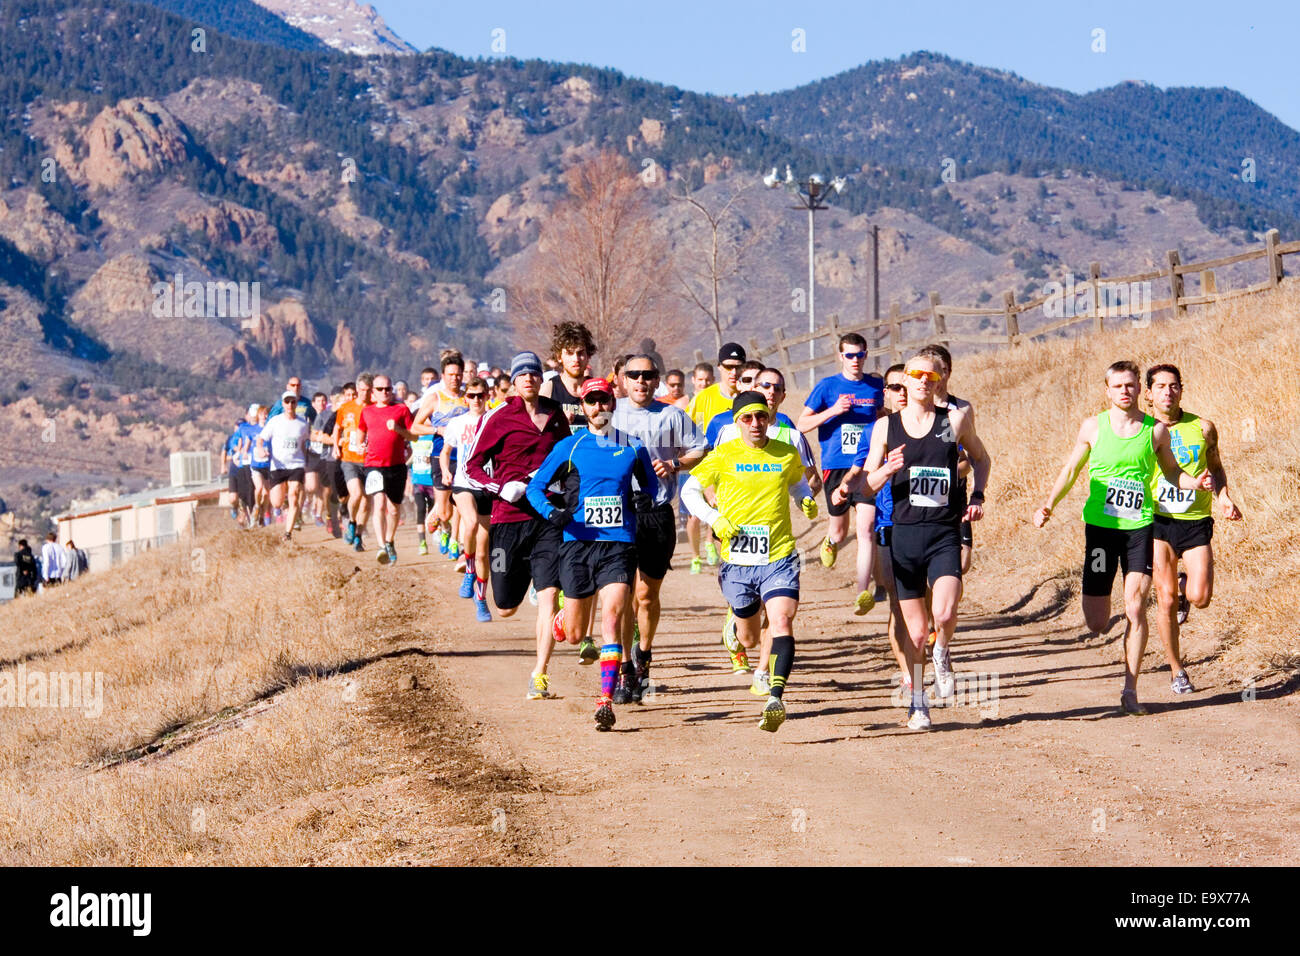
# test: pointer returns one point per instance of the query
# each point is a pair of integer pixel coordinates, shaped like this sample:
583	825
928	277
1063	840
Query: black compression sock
782	661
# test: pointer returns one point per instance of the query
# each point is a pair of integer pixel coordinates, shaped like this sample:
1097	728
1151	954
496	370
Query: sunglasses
381	388
476	395
896	387
730	368
854	356
598	398
760	416
766	385
641	374
920	373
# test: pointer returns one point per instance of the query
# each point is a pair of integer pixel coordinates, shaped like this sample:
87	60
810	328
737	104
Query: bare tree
602	259
700	273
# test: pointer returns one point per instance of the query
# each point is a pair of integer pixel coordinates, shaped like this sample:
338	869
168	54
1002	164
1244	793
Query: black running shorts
394	481
831	480
1106	550
656	539
281	475
520	552
587	566
482	499
1183	536
922	554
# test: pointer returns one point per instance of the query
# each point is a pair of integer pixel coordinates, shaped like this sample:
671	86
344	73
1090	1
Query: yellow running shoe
865	602
539	688
828	552
773	715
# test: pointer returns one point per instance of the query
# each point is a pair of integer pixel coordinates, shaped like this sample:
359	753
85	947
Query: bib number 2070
928	487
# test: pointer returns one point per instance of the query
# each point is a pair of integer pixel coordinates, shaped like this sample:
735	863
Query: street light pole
811	193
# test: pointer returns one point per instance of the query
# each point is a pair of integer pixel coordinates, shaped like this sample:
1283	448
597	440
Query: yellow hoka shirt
753	489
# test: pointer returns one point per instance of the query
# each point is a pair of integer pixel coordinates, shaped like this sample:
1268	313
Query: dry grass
259	707
1238	364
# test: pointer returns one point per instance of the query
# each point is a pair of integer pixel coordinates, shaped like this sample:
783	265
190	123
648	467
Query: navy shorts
745	588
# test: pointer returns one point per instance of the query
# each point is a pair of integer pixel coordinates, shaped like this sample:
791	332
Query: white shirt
288	439
460	433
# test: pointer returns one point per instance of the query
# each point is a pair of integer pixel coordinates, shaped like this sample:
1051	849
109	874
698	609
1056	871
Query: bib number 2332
602	511
751	545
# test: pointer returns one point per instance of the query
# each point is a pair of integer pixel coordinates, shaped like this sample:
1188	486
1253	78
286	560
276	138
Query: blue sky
722	46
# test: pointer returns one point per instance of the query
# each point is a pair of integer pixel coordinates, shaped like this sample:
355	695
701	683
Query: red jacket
510	442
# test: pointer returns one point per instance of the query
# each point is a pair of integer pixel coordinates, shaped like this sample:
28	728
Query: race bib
422	457
751	545
289	444
374	483
355	444
1171	500
1124	498
602	511
928	487
850	435
317	447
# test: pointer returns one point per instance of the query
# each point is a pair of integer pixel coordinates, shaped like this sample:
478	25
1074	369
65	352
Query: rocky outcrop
137	135
343	24
345	346
122	284
40	232
232	226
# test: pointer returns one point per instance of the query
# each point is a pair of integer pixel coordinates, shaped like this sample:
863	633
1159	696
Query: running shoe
588	652
481	611
1182	684
1128	701
382	555
1184	605
711	553
287	537
453	551
604	714
828	551
424	549
696	565
350	535
623	689
773	715
740	662
762	685
557	627
641	682
729	639
320	522
466	586
865	602
945	682
918	718
392	552
539	687
357	546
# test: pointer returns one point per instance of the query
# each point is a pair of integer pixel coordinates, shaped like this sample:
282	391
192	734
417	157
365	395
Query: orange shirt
351	440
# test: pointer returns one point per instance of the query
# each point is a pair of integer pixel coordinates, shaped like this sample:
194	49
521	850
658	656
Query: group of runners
550	484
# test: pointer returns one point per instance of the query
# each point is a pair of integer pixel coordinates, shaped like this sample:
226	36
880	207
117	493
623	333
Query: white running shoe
945	683
918	718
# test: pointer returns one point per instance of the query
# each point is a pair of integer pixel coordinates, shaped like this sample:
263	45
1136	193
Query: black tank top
568	401
926	490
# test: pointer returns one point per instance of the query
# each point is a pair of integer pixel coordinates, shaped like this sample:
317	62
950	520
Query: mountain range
377	200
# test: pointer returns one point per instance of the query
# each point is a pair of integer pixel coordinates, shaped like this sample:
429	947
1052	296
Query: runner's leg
1137	591
1165	578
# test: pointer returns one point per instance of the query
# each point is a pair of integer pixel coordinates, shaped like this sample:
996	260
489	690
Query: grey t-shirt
666	431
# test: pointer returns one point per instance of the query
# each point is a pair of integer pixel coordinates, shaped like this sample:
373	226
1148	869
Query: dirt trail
1047	771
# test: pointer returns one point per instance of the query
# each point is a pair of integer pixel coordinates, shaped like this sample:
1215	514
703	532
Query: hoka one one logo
747	466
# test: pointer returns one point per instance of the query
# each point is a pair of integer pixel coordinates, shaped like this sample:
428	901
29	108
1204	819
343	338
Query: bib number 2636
1124	499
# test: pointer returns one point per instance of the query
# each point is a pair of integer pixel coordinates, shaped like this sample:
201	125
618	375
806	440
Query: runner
513	441
351	442
384	425
315	487
500	392
474	503
1122	448
1184	523
675	389
286	437
334	490
246	434
422	466
895	400
599	550
440	404
760	566
840	407
260	469
708	401
305	411
572	347
914	450
675	445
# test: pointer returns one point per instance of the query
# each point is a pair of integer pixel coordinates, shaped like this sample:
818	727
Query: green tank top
1119	477
1187	440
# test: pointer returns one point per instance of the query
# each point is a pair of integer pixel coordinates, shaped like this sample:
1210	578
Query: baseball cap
289	396
525	362
731	352
592	385
749	402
